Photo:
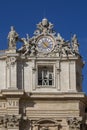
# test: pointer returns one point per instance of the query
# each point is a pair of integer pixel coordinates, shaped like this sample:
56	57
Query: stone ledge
15	92
56	95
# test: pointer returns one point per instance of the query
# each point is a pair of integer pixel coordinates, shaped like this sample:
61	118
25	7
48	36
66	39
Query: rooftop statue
12	38
75	44
26	47
59	38
45	42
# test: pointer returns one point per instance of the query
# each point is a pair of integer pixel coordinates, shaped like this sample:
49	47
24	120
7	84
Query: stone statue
26	47
75	44
12	38
33	48
59	38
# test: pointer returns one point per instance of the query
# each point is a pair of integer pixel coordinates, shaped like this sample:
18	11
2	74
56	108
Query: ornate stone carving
12	38
75	44
59	38
74	122
46	124
61	47
11	121
44	27
10	61
25	49
29	47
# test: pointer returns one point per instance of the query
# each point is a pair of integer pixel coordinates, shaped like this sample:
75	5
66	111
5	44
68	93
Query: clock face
45	44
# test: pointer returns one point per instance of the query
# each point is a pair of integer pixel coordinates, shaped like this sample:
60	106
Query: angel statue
25	49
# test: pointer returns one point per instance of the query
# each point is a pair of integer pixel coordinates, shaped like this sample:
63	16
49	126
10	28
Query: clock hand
45	44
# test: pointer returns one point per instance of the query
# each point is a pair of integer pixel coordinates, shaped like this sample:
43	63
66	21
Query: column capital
74	122
10	121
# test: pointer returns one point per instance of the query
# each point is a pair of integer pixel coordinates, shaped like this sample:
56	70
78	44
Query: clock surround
45	44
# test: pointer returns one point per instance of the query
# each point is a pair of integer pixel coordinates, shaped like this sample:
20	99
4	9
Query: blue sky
68	16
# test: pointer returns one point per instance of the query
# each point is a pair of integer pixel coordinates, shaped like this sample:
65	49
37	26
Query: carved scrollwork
74	122
10	61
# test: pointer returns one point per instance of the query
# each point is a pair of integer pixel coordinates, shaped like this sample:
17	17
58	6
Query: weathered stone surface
41	82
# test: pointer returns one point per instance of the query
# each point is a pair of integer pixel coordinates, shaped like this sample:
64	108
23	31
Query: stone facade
41	82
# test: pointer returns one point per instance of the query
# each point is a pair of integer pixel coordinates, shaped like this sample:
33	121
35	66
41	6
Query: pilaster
11	70
34	74
57	71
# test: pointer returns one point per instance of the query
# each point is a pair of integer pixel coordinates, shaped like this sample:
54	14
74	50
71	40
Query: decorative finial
45	22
